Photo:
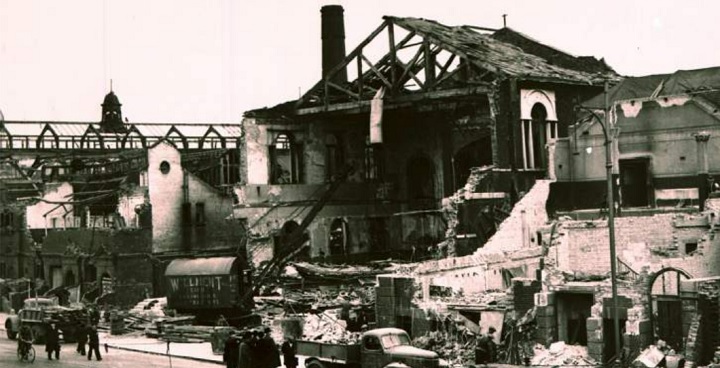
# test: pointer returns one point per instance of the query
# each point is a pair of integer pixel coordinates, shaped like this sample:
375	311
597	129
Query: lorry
378	348
39	312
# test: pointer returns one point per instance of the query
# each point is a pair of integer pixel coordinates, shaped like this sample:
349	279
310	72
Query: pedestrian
52	341
270	350
231	351
81	335
289	351
93	344
244	352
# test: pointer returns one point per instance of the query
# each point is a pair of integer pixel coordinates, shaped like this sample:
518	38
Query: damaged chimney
333	42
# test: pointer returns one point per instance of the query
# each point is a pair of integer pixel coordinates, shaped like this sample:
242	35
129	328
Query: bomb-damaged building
428	116
112	203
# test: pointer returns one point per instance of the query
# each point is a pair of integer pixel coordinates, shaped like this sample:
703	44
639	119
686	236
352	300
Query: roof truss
413	64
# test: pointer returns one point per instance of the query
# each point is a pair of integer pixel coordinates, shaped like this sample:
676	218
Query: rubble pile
328	328
500	300
560	354
313	271
455	349
150	308
303	300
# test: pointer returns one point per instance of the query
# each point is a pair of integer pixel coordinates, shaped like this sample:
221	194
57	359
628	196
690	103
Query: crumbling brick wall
513	245
656	241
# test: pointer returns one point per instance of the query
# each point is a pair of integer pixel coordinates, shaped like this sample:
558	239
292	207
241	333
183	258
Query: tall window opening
536	132
285	160
335	158
373	161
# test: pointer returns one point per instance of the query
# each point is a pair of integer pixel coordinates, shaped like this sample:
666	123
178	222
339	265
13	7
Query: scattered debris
560	354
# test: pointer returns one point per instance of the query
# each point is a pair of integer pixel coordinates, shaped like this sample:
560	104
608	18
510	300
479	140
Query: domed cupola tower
111	113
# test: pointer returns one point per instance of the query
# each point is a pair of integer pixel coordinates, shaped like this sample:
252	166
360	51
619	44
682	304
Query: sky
212	60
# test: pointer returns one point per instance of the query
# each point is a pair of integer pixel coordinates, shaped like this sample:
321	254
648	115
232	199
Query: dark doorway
475	154
609	338
421	182
573	309
669	320
284	243
634	183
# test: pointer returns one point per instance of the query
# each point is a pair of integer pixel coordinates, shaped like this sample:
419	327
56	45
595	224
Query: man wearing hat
268	349
52	341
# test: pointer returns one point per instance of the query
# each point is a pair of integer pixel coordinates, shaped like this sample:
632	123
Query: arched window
536	132
285	160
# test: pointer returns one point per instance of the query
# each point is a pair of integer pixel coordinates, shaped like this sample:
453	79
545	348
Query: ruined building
443	100
114	200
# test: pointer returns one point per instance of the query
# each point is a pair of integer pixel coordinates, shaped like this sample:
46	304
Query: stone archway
666	305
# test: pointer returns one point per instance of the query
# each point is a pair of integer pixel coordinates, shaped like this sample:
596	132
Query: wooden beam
400	101
347	91
445	67
360	75
344	63
393	53
429	64
377	72
409	65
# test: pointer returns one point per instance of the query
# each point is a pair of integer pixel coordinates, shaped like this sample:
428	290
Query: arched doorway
475	154
338	238
421	182
666	306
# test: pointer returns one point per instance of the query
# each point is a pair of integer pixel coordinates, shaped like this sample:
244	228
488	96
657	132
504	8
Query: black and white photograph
359	184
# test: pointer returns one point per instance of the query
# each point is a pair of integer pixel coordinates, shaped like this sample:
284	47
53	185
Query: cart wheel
31	354
8	329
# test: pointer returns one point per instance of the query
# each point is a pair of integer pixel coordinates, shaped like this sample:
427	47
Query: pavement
137	342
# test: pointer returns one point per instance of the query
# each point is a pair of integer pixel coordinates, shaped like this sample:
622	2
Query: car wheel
314	364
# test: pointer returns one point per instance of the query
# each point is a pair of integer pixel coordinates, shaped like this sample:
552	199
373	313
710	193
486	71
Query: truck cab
378	348
383	346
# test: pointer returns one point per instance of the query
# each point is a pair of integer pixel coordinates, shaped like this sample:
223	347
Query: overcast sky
211	60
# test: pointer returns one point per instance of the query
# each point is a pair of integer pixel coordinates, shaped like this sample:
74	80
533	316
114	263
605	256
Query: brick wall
513	245
656	241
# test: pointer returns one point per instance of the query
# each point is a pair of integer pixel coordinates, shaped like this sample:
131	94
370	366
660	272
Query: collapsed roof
428	60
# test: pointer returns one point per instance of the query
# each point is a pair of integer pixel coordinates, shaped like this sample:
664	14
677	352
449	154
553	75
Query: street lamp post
611	225
607	132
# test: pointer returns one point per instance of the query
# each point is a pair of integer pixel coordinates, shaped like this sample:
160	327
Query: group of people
257	349
84	335
88	335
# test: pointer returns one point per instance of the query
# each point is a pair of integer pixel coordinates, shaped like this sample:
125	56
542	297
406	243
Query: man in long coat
52	341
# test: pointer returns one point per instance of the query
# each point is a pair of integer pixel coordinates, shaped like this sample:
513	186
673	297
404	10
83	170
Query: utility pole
611	225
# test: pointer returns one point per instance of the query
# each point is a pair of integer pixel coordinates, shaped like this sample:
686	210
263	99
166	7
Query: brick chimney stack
333	42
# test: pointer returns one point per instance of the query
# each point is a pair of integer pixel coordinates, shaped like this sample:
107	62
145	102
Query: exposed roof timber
346	61
397	102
